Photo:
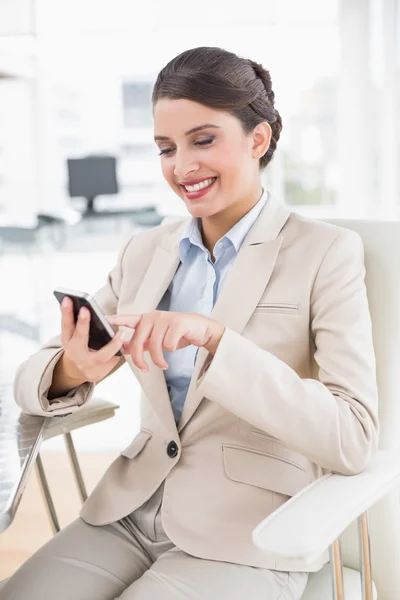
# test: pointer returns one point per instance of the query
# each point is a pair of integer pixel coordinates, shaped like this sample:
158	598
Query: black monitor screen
92	176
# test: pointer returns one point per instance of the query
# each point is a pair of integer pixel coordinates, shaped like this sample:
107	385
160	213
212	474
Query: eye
205	142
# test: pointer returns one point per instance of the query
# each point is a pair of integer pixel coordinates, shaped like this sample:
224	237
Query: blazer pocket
264	470
277	307
137	445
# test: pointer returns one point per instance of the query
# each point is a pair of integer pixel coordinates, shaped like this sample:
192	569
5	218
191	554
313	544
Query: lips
194	181
199	193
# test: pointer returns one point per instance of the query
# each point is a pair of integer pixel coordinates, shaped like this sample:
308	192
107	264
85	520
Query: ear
262	135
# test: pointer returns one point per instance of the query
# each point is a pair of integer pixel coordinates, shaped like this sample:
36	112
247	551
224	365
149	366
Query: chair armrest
307	524
94	411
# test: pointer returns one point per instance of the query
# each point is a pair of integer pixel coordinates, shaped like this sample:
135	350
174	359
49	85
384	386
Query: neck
216	226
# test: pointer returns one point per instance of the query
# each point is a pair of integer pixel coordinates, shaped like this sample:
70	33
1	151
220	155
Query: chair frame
335	554
44	485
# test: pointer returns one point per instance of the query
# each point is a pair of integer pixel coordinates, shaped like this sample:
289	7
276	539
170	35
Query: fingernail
64	303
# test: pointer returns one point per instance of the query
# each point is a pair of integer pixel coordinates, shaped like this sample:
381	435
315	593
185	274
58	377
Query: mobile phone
100	330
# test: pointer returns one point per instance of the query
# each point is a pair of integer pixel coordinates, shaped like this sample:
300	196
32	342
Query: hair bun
265	78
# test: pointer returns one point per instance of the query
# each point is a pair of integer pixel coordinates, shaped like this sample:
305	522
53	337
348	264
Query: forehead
175	117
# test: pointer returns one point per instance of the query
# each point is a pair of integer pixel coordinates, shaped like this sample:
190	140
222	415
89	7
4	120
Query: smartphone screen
100	331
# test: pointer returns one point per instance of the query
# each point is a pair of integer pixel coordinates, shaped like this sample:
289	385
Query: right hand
80	362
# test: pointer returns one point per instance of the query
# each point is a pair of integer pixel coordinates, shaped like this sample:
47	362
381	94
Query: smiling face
220	154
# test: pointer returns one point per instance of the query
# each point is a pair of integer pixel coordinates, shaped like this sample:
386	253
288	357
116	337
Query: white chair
331	512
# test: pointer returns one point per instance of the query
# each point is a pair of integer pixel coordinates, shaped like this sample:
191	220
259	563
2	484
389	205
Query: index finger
127	320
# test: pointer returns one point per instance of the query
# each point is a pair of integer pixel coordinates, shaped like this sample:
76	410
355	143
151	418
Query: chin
202	212
197	211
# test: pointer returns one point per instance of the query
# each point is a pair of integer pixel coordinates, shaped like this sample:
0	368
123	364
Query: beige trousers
133	559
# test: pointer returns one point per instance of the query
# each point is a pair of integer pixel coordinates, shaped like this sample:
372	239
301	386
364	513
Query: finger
67	321
138	341
155	345
173	339
81	334
111	348
127	320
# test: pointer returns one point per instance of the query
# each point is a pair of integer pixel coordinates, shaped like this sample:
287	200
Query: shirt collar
191	235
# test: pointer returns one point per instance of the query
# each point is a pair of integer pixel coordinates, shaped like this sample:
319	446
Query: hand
163	330
81	362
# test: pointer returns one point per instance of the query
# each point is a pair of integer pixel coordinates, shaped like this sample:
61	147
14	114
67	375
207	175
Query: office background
75	81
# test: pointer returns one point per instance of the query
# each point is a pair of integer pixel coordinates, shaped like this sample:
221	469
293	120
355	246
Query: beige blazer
289	395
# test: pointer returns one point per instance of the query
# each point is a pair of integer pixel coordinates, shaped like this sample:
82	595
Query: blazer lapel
154	284
243	287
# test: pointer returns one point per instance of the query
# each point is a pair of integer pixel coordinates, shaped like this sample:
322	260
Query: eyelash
202	143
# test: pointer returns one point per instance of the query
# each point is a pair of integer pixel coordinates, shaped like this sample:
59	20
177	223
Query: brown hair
223	80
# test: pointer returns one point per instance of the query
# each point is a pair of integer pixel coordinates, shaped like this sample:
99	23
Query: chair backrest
382	261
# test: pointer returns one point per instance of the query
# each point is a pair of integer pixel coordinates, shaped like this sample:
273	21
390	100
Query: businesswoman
249	331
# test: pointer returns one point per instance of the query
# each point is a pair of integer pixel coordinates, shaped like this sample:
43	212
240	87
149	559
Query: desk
21	436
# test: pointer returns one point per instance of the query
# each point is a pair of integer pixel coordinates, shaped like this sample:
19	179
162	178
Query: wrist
70	371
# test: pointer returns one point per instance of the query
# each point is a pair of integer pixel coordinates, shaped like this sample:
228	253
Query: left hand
163	330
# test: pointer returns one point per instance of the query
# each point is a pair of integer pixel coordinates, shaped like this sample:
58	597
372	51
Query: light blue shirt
195	288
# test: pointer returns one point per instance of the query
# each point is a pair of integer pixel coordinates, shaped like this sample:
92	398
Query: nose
184	165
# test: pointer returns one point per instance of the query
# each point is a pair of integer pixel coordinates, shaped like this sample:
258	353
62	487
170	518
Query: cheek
230	159
167	170
219	161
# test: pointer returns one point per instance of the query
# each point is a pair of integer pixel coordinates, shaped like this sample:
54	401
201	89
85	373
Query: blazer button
172	449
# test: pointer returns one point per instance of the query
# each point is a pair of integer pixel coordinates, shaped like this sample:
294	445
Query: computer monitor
91	176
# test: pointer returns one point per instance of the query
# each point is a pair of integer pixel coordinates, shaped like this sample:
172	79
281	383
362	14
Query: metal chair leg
337	571
48	500
365	557
75	466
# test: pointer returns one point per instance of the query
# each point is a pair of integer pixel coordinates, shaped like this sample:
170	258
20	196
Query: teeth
199	186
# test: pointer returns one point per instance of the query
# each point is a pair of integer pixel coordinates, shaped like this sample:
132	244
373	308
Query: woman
249	331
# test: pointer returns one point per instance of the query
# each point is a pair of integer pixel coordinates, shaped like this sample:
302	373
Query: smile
198	190
199	186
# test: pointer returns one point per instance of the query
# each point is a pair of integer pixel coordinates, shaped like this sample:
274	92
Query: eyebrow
199	128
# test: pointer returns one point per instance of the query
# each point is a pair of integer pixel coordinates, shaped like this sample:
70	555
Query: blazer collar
267	226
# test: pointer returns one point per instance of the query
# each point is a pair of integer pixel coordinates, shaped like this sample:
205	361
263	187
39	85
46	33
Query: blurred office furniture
32	241
21	436
92	176
48	227
332	511
96	175
53	226
144	217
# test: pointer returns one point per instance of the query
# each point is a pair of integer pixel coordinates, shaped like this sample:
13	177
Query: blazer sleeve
332	420
34	376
